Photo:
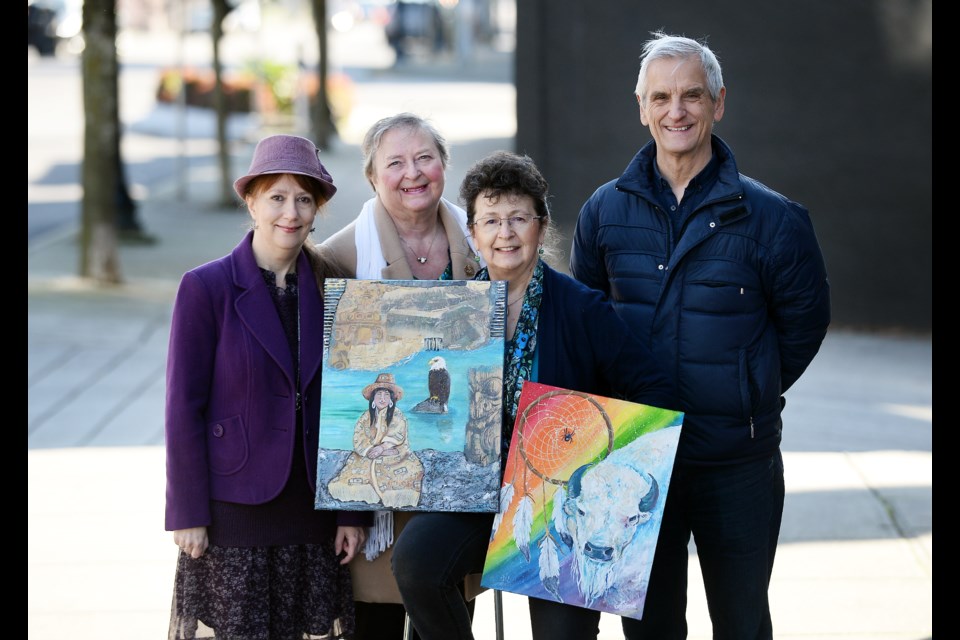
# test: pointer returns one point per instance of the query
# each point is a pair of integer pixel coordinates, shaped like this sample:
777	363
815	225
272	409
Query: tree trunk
227	197
322	120
99	258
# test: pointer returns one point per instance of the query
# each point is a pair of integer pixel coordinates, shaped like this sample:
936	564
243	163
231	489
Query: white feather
557	517
550	567
506	497
549	559
522	524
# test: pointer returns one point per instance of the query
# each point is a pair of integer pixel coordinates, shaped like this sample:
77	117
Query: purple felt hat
287	154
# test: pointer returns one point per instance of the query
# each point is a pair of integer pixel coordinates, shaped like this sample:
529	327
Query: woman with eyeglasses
560	333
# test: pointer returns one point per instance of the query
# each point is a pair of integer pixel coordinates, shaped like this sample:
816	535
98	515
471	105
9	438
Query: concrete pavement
855	559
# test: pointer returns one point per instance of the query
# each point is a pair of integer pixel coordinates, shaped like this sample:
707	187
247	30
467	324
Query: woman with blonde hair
406	231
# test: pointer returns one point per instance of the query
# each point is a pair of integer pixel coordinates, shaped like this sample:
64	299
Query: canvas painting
410	416
582	498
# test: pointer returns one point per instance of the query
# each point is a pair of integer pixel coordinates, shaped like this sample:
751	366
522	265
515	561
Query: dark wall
827	102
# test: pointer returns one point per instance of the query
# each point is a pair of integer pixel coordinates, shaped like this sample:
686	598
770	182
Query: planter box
245	92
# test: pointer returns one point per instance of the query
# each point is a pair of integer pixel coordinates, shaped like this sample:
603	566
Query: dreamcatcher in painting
556	433
581	500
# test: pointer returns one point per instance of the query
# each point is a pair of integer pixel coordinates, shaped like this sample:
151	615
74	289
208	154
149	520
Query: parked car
50	22
415	24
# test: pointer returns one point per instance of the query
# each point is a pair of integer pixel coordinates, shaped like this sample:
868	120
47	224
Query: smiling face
508	245
381	399
408	173
283	214
677	108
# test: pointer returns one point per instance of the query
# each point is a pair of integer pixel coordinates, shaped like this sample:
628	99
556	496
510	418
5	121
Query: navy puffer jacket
734	309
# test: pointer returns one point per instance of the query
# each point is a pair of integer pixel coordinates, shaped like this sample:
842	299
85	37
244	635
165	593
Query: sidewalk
855	559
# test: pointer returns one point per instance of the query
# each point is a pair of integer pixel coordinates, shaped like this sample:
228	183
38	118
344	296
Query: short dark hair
505	173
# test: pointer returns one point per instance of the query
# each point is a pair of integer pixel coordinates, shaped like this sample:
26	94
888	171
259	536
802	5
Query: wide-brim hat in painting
383	381
283	153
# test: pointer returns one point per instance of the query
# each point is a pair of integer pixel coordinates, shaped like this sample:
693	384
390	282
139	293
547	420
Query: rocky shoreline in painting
450	483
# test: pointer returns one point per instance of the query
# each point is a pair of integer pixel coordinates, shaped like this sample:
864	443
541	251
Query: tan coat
373	580
341	248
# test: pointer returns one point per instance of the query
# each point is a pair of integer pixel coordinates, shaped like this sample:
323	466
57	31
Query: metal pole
498	612
407	627
465	20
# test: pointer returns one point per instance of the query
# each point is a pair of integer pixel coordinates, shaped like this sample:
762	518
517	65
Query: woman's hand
193	541
375	451
348	541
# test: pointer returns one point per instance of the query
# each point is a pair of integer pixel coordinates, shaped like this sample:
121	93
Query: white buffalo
604	511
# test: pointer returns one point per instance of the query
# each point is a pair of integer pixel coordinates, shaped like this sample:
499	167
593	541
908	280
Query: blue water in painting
342	401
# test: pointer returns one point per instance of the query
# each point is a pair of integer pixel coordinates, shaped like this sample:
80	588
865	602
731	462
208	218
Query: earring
256	225
540	250
312	229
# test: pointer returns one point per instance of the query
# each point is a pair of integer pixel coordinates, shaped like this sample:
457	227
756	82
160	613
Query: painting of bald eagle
438	384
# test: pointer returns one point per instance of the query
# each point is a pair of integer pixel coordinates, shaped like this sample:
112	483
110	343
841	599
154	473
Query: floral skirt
262	593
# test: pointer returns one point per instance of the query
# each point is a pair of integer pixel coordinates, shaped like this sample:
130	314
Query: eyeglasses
491	225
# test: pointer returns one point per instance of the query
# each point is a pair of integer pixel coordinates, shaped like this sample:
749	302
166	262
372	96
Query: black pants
384	621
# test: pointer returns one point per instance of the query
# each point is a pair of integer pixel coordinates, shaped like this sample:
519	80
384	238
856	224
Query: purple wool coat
232	388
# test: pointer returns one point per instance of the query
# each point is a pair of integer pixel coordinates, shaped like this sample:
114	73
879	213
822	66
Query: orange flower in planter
270	93
199	85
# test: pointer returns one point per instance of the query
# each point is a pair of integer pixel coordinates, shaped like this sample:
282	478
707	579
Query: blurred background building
828	103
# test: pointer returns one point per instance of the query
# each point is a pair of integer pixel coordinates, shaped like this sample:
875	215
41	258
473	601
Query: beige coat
342	249
373	580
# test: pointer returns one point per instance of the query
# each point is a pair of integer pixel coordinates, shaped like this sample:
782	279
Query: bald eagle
438	384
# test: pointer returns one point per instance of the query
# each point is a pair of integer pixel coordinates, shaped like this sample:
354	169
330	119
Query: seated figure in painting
381	469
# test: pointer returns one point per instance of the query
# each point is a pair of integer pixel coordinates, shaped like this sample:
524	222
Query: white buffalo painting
582	499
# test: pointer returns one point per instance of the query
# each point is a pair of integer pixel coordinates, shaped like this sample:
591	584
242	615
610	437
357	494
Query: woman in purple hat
257	561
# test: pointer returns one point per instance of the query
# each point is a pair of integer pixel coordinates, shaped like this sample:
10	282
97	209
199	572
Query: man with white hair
725	280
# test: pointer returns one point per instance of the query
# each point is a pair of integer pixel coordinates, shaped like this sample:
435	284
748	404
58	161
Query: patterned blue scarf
518	357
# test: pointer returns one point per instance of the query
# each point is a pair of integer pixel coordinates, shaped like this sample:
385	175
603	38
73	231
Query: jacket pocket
227	449
722	287
746	395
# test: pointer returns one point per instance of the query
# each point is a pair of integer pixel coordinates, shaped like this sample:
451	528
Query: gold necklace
421	259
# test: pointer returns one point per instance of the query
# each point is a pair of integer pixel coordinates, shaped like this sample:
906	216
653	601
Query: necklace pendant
422	260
